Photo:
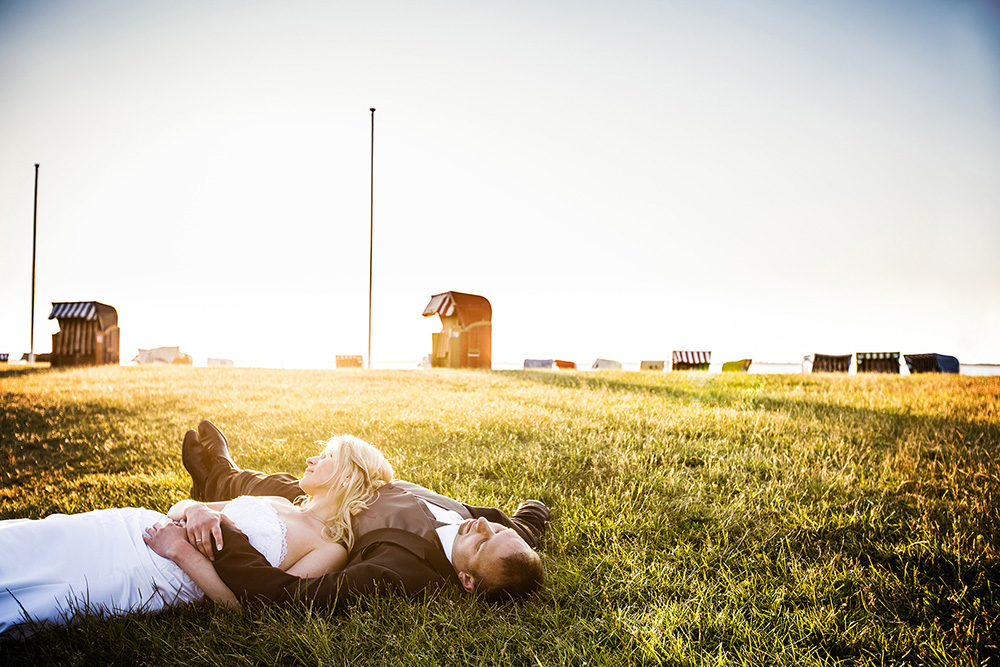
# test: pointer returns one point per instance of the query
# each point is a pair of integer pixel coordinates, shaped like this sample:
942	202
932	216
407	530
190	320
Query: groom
409	539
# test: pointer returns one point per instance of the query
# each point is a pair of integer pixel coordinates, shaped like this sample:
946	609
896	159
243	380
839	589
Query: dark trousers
226	483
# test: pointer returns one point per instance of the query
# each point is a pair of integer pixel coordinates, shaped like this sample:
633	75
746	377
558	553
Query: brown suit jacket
396	548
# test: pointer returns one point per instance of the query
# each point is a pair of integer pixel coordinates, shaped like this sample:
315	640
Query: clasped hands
199	528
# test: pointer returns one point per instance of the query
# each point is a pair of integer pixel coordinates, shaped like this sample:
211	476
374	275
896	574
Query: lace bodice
259	521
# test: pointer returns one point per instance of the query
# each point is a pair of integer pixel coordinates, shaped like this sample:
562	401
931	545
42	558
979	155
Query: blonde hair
361	471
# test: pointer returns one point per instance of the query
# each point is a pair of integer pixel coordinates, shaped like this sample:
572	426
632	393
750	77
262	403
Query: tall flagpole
34	243
371	242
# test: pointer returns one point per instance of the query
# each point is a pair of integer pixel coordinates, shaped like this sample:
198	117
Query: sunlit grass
697	519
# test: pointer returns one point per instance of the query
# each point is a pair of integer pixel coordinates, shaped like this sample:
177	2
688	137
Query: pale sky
762	179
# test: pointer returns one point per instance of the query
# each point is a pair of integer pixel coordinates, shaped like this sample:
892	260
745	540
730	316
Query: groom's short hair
520	574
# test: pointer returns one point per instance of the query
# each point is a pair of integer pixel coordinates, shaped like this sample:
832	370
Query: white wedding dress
97	562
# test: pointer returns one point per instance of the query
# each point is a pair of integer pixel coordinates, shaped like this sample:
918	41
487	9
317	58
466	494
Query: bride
131	560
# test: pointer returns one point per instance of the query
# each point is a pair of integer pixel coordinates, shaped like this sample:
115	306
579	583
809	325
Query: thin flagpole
371	241
34	244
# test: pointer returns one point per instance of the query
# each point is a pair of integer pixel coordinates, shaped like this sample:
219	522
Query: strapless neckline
259	521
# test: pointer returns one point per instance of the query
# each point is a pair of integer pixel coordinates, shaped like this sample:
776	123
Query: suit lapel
441	501
424	549
400	517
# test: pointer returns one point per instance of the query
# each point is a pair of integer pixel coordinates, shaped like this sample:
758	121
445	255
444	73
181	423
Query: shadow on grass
47	441
19	371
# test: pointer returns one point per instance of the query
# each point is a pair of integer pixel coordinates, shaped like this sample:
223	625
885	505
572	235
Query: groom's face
479	549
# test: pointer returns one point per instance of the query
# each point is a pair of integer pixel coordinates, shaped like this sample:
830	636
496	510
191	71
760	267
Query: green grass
697	519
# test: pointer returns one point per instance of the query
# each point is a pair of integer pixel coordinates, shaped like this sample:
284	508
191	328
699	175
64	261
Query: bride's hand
166	538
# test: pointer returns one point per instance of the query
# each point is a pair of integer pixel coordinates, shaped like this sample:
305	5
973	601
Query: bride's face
321	471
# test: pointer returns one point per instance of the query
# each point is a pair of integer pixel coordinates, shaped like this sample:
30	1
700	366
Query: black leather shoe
193	457
215	444
532	515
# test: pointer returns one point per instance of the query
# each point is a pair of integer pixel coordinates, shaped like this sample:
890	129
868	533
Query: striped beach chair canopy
878	362
931	363
77	310
831	363
684	360
106	315
686	357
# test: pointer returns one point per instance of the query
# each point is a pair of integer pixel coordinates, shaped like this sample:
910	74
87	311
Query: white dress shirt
448	532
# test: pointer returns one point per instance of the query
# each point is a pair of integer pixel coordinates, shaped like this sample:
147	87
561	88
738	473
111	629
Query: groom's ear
468	582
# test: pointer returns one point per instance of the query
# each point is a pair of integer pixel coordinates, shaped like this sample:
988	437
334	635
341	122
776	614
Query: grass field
697	519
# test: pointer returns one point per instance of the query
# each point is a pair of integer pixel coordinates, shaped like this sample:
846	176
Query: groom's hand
166	539
203	526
